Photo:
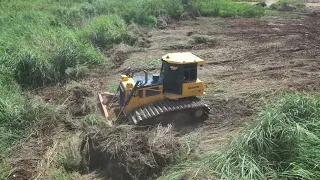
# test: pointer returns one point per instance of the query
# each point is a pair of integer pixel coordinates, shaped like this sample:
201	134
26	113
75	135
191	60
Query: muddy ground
252	61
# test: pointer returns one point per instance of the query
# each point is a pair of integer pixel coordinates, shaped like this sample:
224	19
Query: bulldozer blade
105	100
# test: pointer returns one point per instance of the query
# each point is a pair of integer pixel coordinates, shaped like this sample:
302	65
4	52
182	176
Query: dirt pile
127	153
120	53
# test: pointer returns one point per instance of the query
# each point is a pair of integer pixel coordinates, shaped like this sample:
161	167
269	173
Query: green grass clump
12	111
105	31
37	69
12	121
283	144
227	8
282	4
203	39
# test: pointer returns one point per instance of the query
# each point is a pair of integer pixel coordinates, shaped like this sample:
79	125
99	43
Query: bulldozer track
187	105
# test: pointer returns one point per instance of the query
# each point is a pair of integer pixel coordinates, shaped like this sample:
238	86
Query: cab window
190	72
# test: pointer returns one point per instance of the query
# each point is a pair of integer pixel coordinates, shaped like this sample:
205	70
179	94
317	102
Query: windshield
163	68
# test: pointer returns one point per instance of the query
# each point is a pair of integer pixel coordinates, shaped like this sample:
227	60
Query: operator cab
177	69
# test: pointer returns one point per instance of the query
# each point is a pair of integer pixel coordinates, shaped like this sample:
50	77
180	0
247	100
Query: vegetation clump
127	153
203	39
283	144
287	5
105	31
226	8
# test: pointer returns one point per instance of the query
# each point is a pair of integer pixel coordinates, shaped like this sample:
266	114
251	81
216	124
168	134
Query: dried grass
79	100
131	153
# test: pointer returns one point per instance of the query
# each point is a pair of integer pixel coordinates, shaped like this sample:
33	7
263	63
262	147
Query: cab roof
182	58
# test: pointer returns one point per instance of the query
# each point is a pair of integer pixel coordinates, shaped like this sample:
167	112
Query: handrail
137	85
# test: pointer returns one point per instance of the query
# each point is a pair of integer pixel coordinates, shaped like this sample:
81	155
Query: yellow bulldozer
156	98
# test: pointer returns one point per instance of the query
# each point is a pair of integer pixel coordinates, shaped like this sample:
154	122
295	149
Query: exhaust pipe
146	77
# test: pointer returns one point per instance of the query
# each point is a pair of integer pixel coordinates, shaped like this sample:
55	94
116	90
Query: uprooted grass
79	100
62	160
203	39
282	145
194	42
127	153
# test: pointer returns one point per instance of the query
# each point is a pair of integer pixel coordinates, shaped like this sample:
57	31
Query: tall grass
12	124
283	144
47	37
105	31
11	111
